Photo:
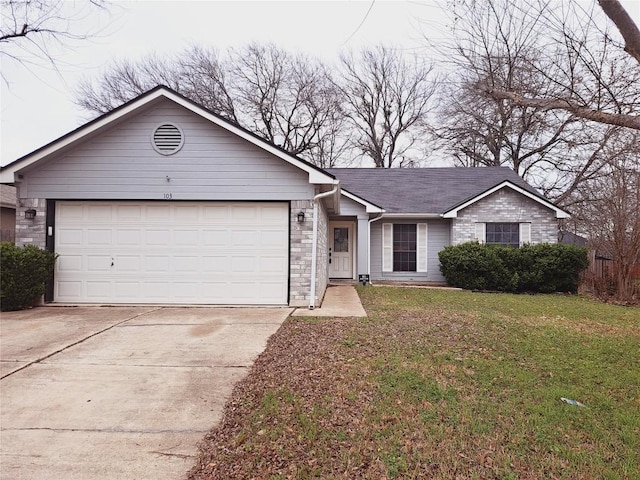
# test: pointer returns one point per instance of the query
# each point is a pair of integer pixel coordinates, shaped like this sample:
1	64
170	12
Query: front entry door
341	250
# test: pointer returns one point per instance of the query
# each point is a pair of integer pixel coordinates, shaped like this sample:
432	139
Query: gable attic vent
167	139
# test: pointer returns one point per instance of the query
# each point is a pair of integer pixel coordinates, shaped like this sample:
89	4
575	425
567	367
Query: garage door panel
215	238
98	263
145	252
128	237
157	264
158	291
129	213
187	264
98	290
70	236
69	263
125	291
215	213
187	237
126	263
156	237
272	265
71	213
218	263
98	212
245	213
70	289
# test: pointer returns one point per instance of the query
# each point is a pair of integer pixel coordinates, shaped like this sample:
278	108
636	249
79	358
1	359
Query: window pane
341	239
404	248
506	234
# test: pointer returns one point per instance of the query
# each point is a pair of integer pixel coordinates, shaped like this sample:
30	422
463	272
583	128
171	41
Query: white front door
341	250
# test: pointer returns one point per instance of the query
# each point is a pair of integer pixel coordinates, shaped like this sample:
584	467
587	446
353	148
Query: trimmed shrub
23	273
532	268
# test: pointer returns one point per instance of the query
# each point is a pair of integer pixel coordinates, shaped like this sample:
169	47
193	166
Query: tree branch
618	119
626	26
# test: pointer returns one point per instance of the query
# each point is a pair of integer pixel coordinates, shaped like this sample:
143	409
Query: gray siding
121	163
349	207
437	238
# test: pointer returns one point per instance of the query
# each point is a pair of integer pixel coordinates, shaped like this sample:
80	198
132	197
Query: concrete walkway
107	393
339	301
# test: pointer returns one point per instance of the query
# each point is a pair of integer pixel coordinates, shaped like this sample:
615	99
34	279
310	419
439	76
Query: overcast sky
37	102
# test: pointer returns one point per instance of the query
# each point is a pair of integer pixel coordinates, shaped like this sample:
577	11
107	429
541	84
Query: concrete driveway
119	392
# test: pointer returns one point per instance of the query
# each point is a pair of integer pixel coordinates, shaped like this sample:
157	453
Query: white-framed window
508	234
404	247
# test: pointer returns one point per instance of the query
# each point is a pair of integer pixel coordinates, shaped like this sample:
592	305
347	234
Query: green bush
532	268
23	273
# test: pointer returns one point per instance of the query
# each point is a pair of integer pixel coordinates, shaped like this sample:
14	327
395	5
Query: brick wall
506	205
300	253
31	232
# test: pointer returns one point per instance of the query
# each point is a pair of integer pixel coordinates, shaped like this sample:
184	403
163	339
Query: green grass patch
441	384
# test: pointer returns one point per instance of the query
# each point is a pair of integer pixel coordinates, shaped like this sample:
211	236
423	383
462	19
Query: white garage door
172	252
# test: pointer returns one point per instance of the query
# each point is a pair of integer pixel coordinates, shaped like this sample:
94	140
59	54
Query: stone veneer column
300	253
31	232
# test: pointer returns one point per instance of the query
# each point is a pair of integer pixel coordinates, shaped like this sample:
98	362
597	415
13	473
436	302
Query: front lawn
440	385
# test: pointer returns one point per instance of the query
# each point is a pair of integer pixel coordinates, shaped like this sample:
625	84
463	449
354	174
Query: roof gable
453	212
316	174
432	191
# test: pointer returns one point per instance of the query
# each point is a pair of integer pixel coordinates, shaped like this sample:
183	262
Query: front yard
440	385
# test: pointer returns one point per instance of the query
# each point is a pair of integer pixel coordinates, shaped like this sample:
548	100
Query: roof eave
412	215
369	207
453	212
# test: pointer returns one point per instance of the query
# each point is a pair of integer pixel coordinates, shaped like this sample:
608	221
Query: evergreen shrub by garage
543	268
23	273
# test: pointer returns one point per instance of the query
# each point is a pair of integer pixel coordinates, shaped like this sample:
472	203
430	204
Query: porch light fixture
301	217
30	214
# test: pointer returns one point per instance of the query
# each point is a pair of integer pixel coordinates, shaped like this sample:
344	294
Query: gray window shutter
525	233
387	247
421	247
481	232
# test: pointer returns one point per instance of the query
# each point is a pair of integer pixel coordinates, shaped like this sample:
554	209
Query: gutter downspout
369	249
314	244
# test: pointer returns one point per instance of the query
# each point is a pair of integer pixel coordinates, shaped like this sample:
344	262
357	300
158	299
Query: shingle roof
424	190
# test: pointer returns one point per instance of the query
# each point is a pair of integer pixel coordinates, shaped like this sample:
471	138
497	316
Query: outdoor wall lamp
301	217
30	214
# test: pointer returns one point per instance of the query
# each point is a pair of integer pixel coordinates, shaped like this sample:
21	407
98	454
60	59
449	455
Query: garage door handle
112	261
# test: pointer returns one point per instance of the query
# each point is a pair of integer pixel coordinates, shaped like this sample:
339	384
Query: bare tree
125	80
387	99
609	212
30	29
598	81
510	46
287	99
197	73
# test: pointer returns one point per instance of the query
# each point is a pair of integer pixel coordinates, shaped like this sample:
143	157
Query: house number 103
167	196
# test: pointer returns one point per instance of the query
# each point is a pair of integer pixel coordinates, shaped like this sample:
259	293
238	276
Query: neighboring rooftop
424	190
7	196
